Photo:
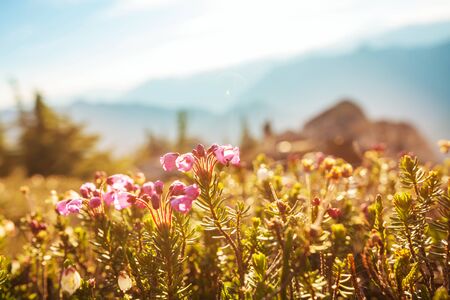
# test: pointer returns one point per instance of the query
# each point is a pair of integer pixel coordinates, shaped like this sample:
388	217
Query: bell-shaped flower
121	182
69	206
227	154
70	280
168	161
87	189
177	188
192	191
181	203
119	199
185	162
124	281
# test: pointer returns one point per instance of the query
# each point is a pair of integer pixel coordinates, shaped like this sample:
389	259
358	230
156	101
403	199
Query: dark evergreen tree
247	140
52	144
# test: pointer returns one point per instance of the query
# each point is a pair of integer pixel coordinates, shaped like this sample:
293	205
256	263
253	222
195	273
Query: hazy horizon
94	50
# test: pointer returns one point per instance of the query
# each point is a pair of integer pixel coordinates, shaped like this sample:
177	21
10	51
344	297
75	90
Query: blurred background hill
366	75
404	82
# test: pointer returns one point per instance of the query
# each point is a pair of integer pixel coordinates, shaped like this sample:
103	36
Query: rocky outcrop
344	130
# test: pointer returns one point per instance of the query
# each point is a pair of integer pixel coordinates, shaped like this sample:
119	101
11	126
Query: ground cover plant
311	227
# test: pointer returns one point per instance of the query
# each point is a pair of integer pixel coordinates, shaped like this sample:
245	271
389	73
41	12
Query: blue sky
68	48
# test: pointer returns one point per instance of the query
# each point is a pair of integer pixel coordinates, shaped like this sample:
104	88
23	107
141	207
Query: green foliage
380	233
51	144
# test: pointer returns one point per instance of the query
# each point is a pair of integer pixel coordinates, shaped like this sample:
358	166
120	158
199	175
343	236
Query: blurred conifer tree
52	144
247	140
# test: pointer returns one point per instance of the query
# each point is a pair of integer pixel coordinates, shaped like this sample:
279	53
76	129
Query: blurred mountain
405	82
410	84
401	84
344	129
214	90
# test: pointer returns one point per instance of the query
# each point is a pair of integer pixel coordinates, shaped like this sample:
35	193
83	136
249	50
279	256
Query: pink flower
192	191
118	189
87	189
227	154
185	162
95	202
159	186
149	192
69	206
182	204
177	188
148	188
121	182
168	161
183	196
119	199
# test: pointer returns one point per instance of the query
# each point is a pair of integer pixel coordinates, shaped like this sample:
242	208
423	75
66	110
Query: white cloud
121	8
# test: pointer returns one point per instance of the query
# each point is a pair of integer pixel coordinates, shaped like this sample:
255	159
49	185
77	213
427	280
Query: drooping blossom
69	206
119	199
182	199
168	161
124	281
120	182
87	189
148	188
192	191
150	192
95	202
227	154
177	188
185	162
119	191
70	280
182	203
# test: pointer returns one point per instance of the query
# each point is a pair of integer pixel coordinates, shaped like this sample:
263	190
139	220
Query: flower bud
346	170
328	163
316	201
91	282
334	212
95	202
308	165
156	201
99	176
335	173
70	280
199	151
213	148
124	281
159	186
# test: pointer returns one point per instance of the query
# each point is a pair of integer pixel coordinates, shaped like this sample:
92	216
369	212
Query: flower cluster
310	225
202	162
225	154
121	191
